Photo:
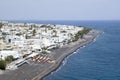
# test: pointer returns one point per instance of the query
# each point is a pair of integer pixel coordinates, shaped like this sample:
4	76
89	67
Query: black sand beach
37	71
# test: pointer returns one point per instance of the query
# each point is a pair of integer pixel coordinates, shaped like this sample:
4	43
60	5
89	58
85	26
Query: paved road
35	71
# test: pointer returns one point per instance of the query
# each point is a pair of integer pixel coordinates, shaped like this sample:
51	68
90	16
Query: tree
34	31
80	34
1	25
69	41
9	59
18	34
86	30
63	31
55	32
2	64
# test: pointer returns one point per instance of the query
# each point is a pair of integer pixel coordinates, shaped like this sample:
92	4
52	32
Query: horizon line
52	20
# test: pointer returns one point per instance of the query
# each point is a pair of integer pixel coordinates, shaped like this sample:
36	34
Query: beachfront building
21	39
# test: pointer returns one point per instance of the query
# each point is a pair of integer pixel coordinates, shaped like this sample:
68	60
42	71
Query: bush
2	64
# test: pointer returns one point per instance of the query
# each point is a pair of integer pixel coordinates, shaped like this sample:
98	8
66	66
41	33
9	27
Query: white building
5	53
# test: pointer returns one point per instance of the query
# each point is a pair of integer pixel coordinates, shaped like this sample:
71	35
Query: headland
39	54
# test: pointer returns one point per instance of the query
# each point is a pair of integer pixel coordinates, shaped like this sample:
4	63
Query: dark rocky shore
37	71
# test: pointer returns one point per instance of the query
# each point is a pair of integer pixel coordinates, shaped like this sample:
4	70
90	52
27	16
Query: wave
65	61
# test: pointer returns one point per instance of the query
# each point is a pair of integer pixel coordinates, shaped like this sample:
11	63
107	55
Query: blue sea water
99	60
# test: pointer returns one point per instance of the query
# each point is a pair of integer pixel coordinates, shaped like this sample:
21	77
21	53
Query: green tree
1	25
80	34
18	34
86	30
9	59
2	64
34	31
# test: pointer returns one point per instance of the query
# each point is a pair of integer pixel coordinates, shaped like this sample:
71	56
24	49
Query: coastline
59	61
37	71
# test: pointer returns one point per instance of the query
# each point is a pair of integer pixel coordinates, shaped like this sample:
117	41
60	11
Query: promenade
38	70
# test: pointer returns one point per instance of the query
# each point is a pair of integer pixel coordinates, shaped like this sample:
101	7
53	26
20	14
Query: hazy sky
59	9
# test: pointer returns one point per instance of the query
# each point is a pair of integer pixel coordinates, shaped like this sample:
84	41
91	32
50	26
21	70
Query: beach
37	71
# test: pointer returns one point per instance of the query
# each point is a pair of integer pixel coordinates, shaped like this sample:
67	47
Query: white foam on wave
63	63
72	53
65	60
83	46
94	40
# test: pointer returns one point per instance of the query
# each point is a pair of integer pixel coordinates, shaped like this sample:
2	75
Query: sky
59	9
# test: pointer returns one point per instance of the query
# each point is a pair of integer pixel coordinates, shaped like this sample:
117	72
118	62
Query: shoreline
38	71
59	61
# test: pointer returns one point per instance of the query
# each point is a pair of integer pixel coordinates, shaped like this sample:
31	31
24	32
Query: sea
99	60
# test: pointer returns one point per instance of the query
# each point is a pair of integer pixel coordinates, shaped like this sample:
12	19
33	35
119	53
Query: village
21	42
